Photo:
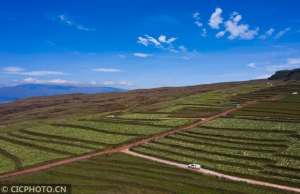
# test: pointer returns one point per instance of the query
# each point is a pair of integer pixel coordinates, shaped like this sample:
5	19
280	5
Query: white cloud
282	33
251	65
108	83
159	42
142	55
107	70
220	34
162	42
216	19
163	39
125	83
41	73
237	30
52	81
204	32
117	83
12	69
197	19
263	76
21	71
293	61
199	24
148	40
65	20
182	48
267	34
143	41
290	63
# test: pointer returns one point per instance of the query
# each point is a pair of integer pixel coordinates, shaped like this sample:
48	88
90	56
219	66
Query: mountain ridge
286	75
12	93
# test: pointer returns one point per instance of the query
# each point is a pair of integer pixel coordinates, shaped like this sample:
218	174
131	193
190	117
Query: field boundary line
120	148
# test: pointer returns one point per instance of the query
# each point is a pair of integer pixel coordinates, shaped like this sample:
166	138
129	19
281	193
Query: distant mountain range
8	94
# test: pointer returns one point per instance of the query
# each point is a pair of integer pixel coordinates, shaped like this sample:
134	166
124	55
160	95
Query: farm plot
265	92
143	119
125	174
26	146
243	147
205	104
284	109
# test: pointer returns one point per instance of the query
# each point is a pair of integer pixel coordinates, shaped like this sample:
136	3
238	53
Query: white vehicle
194	166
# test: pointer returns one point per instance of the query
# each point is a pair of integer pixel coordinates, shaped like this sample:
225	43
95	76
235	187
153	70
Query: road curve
125	149
52	164
213	173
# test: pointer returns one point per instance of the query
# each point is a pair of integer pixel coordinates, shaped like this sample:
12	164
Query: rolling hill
248	130
286	75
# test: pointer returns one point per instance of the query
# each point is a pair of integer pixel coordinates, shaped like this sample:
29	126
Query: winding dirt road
212	173
120	148
125	149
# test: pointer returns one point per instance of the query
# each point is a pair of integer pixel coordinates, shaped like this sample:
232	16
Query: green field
122	174
38	141
261	144
260	141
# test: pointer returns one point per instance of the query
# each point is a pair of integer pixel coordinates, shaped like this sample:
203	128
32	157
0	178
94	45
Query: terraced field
260	141
203	104
55	140
39	141
125	174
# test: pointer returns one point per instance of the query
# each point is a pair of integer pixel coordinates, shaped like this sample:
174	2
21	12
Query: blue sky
149	43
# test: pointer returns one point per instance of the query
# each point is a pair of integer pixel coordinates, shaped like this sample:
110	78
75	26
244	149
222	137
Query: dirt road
120	148
125	149
213	173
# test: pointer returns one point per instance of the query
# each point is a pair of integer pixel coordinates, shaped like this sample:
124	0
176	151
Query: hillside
83	104
286	75
244	129
13	93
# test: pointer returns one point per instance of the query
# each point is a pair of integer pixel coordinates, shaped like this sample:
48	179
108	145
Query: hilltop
286	75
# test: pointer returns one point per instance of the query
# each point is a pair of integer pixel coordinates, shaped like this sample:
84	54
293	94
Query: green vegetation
265	146
124	174
26	145
260	141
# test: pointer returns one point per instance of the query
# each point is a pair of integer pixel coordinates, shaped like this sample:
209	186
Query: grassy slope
263	146
41	140
125	174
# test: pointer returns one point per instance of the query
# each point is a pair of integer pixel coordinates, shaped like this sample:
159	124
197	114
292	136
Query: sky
146	43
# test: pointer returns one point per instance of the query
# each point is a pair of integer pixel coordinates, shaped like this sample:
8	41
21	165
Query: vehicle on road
194	166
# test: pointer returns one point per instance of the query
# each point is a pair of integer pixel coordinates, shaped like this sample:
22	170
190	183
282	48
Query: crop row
266	118
12	158
228	139
187	157
225	135
29	153
264	114
163	123
238	147
87	128
115	128
252	125
211	151
240	133
111	175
